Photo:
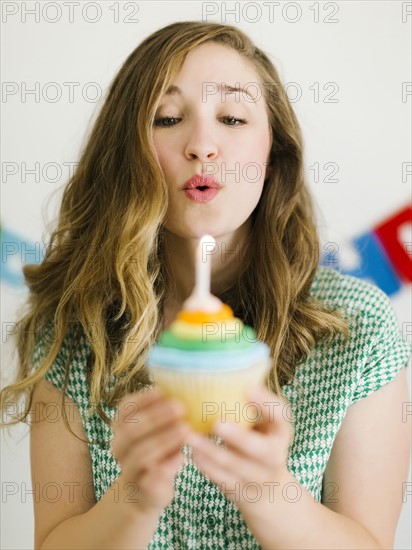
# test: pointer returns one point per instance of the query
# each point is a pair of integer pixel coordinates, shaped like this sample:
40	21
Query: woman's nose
201	145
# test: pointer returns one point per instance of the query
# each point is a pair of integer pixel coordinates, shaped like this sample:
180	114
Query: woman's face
214	132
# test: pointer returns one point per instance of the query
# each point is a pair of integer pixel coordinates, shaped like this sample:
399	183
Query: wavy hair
103	270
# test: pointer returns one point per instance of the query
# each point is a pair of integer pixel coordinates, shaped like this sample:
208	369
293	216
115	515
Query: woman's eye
241	121
165	121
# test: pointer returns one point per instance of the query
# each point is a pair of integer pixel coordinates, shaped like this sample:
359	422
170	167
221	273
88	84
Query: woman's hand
148	434
251	466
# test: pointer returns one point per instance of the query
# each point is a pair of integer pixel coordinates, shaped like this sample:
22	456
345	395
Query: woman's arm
107	525
370	459
65	511
368	467
367	470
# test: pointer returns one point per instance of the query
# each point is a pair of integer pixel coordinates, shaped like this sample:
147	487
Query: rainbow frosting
209	341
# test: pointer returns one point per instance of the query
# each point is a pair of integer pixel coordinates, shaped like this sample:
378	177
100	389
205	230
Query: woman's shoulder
354	295
73	333
74	344
69	368
377	349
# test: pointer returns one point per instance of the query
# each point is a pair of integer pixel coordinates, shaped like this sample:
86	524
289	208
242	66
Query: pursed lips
201	189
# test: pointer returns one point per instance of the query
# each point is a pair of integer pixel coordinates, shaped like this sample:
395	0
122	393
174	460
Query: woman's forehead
212	69
217	63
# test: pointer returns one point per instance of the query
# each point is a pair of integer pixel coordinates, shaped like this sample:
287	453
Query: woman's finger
132	404
154	417
148	453
274	412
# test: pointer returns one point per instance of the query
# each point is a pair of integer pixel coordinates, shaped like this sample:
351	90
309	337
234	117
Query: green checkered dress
200	516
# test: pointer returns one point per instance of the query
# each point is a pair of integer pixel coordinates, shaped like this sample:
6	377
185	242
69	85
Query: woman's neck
226	263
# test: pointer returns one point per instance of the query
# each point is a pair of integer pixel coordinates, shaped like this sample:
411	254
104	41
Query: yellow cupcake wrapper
212	396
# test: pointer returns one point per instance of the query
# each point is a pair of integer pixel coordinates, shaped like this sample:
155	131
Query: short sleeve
388	353
69	364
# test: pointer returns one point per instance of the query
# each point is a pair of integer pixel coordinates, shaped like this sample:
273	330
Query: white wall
365	55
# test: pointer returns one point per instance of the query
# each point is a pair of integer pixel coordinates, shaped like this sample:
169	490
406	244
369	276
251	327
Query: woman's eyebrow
226	88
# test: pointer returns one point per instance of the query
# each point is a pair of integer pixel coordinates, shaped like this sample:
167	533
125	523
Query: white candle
203	265
201	299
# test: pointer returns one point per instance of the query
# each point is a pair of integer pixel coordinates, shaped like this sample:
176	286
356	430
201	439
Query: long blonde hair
103	269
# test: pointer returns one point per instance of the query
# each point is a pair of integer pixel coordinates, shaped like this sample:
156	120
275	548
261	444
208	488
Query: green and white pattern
325	385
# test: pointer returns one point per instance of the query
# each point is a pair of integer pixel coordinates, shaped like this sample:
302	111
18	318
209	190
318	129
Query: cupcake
209	359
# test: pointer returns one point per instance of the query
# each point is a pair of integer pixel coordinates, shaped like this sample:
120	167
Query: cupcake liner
214	395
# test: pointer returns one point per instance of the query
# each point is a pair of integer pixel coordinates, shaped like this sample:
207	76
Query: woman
200	98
